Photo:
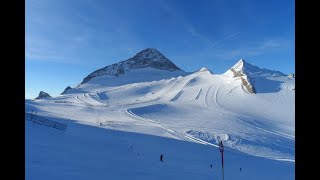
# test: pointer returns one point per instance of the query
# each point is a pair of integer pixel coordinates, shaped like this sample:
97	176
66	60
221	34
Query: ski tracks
174	133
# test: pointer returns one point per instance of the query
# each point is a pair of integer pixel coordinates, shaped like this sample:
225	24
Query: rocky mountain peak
149	57
43	95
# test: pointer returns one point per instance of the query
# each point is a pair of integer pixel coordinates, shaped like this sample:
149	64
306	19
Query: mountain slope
198	104
149	57
88	152
249	73
43	95
199	107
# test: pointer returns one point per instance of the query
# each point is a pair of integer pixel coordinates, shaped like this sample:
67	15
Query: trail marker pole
221	150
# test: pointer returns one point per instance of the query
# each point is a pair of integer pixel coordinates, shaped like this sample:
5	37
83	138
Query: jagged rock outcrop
149	57
66	90
43	95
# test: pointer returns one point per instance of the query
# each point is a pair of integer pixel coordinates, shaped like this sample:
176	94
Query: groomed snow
181	115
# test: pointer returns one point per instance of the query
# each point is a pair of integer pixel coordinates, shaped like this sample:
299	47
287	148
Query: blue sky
68	39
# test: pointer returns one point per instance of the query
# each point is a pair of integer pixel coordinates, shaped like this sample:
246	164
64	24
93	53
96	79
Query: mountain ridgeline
146	106
43	95
149	57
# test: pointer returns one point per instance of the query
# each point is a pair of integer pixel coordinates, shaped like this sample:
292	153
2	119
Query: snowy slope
248	73
87	152
149	57
199	109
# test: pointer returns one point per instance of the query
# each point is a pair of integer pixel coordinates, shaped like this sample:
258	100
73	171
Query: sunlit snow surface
182	115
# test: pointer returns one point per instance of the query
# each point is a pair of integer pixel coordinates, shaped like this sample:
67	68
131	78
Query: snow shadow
264	85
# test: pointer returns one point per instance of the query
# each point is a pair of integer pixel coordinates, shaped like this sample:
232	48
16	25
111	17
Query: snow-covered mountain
247	73
242	67
248	108
43	95
66	90
149	57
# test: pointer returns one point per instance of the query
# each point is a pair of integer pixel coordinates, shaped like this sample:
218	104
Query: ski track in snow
157	124
216	99
198	95
176	91
152	109
199	140
177	96
216	94
287	160
265	130
78	100
172	132
206	96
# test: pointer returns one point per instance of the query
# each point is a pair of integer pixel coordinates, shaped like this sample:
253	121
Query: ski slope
183	115
89	152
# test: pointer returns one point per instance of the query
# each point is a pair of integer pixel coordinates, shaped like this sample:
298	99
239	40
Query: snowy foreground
180	115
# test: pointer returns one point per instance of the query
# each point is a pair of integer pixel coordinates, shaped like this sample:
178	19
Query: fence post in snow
221	150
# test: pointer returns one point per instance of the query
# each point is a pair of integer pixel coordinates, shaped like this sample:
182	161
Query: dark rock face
146	58
65	90
43	95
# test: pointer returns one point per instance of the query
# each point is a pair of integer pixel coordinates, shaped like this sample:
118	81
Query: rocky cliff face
146	58
43	95
247	73
66	90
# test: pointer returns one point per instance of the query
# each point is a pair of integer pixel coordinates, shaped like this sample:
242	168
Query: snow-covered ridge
66	90
129	119
243	67
247	73
149	57
204	69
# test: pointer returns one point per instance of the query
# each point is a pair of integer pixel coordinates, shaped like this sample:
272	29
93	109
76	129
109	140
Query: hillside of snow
182	115
89	152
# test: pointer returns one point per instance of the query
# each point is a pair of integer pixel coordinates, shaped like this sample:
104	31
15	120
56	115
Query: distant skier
161	158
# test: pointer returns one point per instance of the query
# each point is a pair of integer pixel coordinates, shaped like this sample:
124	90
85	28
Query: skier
161	158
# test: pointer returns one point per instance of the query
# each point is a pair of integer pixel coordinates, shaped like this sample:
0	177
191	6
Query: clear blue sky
68	39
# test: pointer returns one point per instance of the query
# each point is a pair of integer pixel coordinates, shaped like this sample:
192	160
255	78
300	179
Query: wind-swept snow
88	152
183	115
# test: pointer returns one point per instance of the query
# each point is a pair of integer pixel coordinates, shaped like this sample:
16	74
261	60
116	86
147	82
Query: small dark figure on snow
161	158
